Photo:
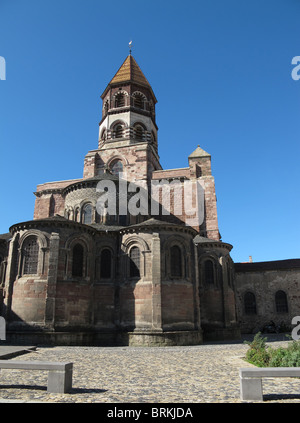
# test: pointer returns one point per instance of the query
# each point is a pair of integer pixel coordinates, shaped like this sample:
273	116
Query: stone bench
251	379
59	376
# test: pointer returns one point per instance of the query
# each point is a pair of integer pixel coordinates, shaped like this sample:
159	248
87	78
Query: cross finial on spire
130	44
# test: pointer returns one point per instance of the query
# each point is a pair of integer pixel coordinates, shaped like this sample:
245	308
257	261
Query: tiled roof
267	265
130	71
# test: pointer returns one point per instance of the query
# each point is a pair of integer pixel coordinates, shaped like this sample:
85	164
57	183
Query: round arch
175	249
36	259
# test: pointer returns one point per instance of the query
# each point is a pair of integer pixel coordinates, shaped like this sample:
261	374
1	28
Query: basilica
97	266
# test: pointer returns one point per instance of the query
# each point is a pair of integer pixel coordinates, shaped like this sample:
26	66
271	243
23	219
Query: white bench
251	379
59	376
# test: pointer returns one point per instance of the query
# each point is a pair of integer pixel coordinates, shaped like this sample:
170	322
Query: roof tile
130	71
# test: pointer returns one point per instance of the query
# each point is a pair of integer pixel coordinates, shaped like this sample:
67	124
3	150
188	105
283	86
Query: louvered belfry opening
120	100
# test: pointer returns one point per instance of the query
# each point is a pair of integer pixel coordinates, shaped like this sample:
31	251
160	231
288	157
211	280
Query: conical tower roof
130	72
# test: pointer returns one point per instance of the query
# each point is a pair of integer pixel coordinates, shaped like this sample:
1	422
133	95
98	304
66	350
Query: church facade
131	253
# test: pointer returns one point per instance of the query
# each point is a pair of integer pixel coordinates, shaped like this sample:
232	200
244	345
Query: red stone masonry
49	200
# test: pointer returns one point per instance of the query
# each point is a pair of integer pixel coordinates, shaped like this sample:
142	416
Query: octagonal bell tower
127	131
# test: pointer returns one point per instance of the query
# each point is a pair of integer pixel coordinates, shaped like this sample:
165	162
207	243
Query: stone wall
217	294
264	279
53	299
49	199
136	159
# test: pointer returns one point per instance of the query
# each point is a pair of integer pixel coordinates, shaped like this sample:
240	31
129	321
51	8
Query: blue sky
221	71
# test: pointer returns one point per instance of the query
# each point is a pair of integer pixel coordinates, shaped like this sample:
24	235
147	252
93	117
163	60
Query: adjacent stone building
131	253
268	294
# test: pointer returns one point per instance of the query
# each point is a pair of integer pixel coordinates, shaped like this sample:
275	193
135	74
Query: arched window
138	101
138	132
103	135
249	303
176	261
118	131
135	264
120	100
105	264
78	255
209	272
281	302
52	206
76	215
116	167
30	253
87	212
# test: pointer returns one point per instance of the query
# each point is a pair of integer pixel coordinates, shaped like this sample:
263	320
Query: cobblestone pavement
195	374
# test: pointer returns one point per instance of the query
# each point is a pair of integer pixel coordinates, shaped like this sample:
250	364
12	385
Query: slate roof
199	152
152	222
91	181
202	239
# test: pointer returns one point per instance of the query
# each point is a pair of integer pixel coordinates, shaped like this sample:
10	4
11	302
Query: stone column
197	304
156	283
51	280
225	291
11	275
